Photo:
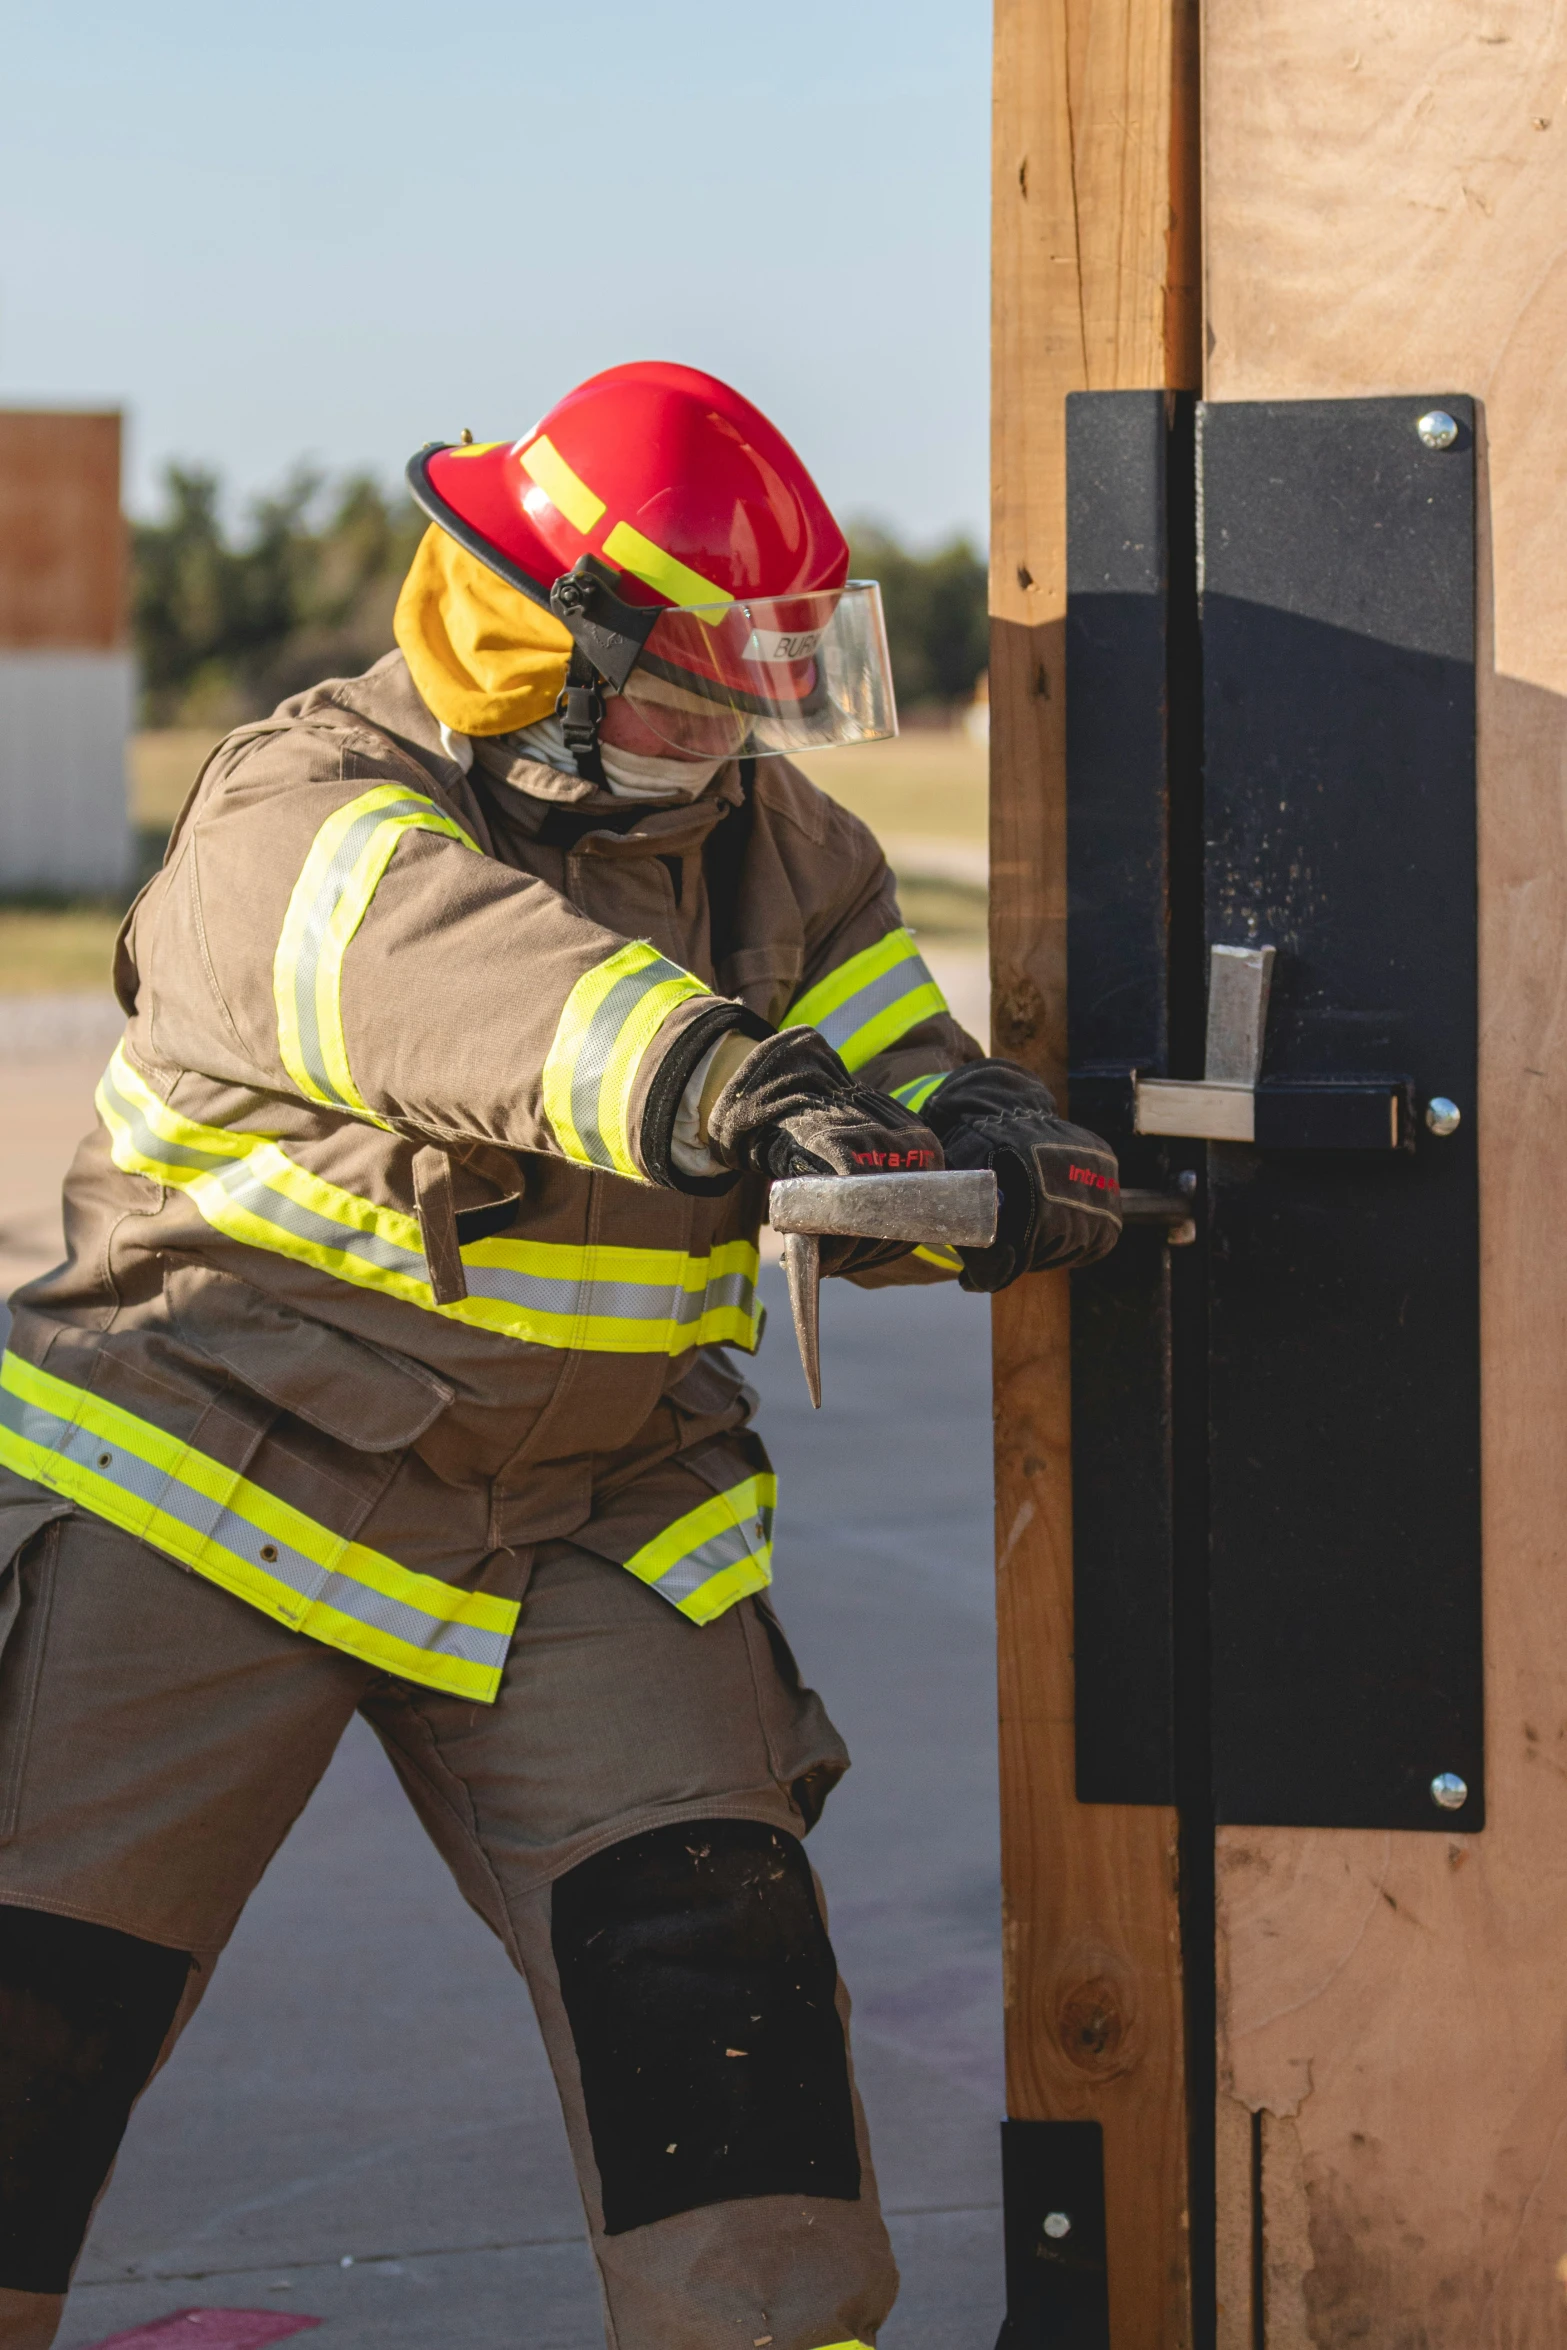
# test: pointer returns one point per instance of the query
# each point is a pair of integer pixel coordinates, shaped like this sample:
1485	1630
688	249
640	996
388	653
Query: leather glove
791	1108
1060	1189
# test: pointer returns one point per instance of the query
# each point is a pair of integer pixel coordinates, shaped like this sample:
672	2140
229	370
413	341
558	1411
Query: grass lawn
163	766
49	951
924	782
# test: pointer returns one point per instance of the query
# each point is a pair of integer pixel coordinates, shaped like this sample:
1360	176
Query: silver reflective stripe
629	1301
598	1046
153	1145
248	1190
729	1549
876	996
536	1293
314	929
165	1496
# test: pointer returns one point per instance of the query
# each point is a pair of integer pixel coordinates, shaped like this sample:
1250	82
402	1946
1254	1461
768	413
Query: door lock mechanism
1231	1103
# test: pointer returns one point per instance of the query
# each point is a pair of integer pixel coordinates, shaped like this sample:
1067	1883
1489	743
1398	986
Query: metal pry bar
956	1208
802	1262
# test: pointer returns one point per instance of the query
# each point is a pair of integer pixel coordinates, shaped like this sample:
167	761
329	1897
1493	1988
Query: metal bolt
1057	2225
1443	1116
1437	429
1449	1792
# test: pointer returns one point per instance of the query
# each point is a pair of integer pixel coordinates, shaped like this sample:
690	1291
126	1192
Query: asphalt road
360	2127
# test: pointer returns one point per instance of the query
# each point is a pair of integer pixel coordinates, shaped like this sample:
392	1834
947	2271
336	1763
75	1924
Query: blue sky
336	231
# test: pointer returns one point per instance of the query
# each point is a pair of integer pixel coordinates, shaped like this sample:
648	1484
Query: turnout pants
626	1818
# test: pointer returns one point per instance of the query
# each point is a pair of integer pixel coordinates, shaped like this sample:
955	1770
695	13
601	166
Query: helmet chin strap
607	637
579	709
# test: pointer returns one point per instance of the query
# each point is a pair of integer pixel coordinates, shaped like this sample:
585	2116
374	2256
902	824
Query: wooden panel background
1095	287
62	553
1386	206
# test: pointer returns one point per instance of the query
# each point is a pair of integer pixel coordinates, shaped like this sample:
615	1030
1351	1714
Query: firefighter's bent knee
700	1985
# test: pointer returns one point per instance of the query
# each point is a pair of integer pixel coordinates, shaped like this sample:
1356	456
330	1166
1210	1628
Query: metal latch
1229	1103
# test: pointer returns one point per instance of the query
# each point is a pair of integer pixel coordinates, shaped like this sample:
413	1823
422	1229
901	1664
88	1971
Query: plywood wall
62	561
1095	273
1386	211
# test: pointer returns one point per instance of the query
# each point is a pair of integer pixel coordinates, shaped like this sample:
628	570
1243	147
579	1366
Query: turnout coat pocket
28	1546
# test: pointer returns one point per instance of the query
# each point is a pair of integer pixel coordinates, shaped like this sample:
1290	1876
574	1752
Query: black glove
1060	1191
791	1108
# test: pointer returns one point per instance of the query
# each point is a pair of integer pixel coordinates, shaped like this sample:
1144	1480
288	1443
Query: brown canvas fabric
414	1427
158	1738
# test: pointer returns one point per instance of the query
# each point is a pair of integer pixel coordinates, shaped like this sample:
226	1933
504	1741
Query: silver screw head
1057	2225
1449	1792
1443	1116
1437	429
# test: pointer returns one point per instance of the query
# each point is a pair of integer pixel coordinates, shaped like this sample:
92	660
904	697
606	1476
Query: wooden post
1386	193
1095	287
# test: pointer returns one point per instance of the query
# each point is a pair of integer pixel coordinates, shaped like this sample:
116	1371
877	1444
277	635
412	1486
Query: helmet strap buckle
609	631
580	706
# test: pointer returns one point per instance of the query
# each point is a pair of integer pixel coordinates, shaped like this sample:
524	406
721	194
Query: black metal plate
1118	1012
1334	1115
1058	2294
1338	656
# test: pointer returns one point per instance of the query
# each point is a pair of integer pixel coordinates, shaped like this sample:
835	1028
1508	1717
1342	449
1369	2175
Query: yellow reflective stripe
329	901
543	463
666	573
598	1299
470	448
871	1000
720	1591
894	1020
610	1018
714	1554
918	1091
249	1541
947	1258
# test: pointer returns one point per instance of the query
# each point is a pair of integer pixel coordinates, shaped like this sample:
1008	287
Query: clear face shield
765	677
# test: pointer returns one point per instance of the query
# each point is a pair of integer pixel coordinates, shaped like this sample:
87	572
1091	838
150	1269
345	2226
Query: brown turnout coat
359	1301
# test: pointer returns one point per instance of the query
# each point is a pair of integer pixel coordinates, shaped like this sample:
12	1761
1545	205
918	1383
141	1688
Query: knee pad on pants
699	1984
83	2013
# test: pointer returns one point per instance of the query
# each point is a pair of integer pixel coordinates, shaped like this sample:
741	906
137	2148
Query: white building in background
67	679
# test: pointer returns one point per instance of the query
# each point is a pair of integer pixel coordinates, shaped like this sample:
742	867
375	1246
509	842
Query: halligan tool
951	1208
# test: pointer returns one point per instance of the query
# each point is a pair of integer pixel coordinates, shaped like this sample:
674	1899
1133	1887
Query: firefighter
391	1367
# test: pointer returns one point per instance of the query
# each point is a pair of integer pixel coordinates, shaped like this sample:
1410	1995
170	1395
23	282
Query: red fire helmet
694	560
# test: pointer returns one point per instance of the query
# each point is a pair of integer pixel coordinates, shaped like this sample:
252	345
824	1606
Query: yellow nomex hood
485	658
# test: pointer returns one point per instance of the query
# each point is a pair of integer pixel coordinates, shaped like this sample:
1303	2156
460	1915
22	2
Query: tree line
227	623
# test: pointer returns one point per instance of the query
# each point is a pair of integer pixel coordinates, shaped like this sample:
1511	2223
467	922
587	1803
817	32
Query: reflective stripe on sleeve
918	1091
610	1018
235	1534
714	1555
595	1300
871	1000
330	899
914	1096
